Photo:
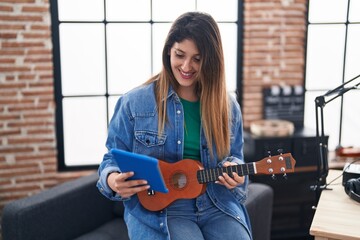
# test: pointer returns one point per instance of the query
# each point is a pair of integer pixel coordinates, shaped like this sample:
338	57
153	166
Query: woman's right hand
126	188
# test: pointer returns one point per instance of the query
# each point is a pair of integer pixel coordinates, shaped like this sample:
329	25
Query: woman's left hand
230	182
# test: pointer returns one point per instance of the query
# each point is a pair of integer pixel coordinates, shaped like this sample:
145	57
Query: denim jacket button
161	224
179	142
178	111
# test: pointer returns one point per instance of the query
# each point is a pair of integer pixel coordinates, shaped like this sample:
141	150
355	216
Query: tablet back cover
144	167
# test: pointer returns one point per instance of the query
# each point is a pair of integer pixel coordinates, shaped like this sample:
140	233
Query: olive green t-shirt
192	126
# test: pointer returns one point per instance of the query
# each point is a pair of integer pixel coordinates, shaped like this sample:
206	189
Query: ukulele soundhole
179	180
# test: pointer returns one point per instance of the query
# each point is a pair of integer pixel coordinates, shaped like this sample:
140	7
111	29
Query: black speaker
352	188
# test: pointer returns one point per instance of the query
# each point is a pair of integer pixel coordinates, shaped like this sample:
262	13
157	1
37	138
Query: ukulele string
208	178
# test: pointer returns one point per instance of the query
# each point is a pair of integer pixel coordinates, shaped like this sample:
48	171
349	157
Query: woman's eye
197	59
179	55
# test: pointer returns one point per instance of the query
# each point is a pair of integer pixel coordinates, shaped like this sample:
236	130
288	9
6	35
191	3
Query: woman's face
185	64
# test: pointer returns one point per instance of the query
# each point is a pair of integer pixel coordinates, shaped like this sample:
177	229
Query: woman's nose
186	66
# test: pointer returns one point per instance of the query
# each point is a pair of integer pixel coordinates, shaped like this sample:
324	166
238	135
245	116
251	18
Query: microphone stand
320	102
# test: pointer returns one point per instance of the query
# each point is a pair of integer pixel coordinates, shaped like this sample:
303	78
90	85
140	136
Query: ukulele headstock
280	164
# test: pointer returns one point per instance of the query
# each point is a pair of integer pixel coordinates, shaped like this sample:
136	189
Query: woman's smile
186	75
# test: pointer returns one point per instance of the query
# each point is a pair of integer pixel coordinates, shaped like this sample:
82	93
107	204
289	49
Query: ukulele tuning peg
269	153
273	177
285	176
280	151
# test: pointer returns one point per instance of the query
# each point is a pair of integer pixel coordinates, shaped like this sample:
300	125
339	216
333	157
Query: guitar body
181	181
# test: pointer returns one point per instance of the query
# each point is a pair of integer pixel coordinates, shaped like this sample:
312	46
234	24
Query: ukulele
187	178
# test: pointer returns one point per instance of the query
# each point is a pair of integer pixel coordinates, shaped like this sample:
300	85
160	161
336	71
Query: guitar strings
212	176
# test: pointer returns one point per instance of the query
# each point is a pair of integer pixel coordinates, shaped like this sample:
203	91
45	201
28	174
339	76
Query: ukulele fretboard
212	175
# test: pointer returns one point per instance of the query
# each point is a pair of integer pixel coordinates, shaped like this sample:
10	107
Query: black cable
330	183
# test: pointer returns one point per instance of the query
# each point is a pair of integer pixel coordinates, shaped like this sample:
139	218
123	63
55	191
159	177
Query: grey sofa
76	210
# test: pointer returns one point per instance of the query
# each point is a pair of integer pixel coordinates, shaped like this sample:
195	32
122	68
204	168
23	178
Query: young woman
182	112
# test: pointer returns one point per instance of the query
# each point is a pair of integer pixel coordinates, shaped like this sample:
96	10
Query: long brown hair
211	86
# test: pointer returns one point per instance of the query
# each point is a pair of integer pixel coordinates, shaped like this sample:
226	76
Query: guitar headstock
279	164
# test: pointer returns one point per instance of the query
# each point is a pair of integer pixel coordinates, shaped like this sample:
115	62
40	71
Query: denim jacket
134	128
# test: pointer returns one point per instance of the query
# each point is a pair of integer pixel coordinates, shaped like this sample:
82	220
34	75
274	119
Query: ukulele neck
212	175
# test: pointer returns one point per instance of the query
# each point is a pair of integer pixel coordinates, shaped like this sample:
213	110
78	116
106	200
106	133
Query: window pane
351	123
331	117
128	10
82	58
327	11
353	52
160	31
169	10
84	130
325	54
228	33
354	11
129	55
91	10
220	10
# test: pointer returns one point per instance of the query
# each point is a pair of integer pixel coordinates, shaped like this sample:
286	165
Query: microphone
339	90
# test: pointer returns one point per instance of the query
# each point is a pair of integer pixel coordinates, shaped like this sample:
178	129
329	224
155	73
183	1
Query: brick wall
274	49
28	162
273	54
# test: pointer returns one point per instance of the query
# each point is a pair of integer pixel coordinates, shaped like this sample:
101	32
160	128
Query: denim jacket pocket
149	138
150	143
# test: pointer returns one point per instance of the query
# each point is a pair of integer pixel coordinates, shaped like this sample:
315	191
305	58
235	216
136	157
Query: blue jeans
200	219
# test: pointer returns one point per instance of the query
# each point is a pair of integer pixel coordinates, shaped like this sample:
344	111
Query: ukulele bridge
150	192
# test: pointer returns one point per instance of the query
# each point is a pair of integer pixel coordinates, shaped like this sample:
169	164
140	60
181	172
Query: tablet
144	167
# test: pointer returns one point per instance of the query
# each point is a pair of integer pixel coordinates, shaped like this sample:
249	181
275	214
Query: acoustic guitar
187	178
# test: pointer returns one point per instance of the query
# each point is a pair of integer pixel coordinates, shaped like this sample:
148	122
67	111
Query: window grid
59	97
334	113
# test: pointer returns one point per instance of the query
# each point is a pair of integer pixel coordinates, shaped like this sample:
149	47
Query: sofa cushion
115	229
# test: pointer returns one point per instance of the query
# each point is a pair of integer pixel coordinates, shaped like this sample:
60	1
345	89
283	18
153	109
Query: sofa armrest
259	205
63	212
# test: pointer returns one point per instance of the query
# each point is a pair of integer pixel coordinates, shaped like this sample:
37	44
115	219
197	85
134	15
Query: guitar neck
212	175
